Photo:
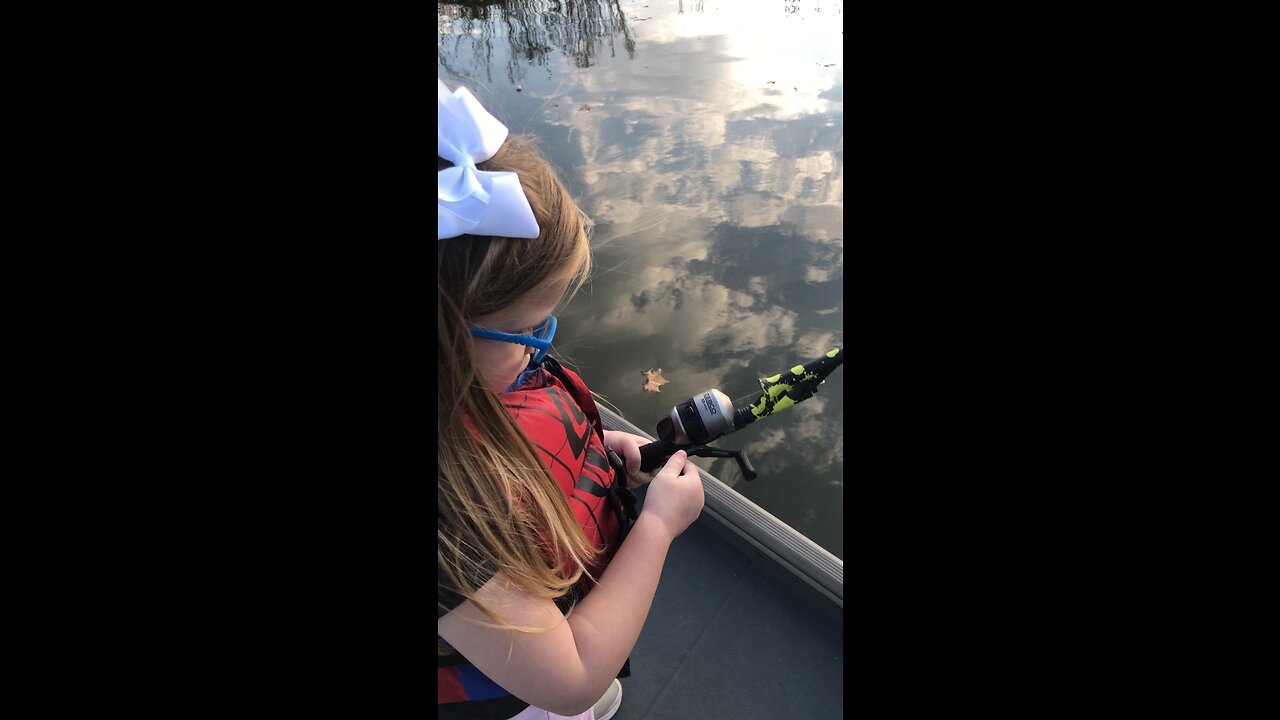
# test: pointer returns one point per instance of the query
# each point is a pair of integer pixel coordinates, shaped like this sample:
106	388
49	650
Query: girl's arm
568	668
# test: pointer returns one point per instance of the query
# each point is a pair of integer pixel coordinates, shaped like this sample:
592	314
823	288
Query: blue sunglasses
540	339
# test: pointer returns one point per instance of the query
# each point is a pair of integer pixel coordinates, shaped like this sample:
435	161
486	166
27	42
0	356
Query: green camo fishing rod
709	415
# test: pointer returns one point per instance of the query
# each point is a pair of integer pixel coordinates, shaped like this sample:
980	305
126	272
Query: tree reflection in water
532	29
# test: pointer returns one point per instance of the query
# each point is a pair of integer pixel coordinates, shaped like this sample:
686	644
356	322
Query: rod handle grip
655	454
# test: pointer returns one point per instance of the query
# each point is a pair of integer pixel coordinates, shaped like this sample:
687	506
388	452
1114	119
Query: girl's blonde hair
499	506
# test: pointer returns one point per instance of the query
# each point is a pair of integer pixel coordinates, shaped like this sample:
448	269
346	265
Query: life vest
556	412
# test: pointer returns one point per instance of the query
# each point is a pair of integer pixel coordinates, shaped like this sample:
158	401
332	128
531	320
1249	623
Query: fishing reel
709	415
690	426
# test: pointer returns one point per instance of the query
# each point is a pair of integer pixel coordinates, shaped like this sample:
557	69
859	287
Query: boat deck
733	635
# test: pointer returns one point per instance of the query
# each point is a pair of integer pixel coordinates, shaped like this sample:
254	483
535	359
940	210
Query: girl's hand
676	495
628	448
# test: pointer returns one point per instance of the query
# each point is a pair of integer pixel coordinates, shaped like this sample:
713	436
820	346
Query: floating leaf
654	379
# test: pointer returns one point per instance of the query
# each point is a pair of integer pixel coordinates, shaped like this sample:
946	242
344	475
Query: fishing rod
710	414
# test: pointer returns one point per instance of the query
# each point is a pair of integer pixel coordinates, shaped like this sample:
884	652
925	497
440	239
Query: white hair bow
472	201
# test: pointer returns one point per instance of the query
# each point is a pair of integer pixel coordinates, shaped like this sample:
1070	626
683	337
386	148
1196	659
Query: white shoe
608	704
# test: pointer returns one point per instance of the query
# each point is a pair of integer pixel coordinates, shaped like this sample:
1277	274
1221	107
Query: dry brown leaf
654	380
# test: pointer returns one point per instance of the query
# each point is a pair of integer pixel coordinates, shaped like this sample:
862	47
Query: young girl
533	497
